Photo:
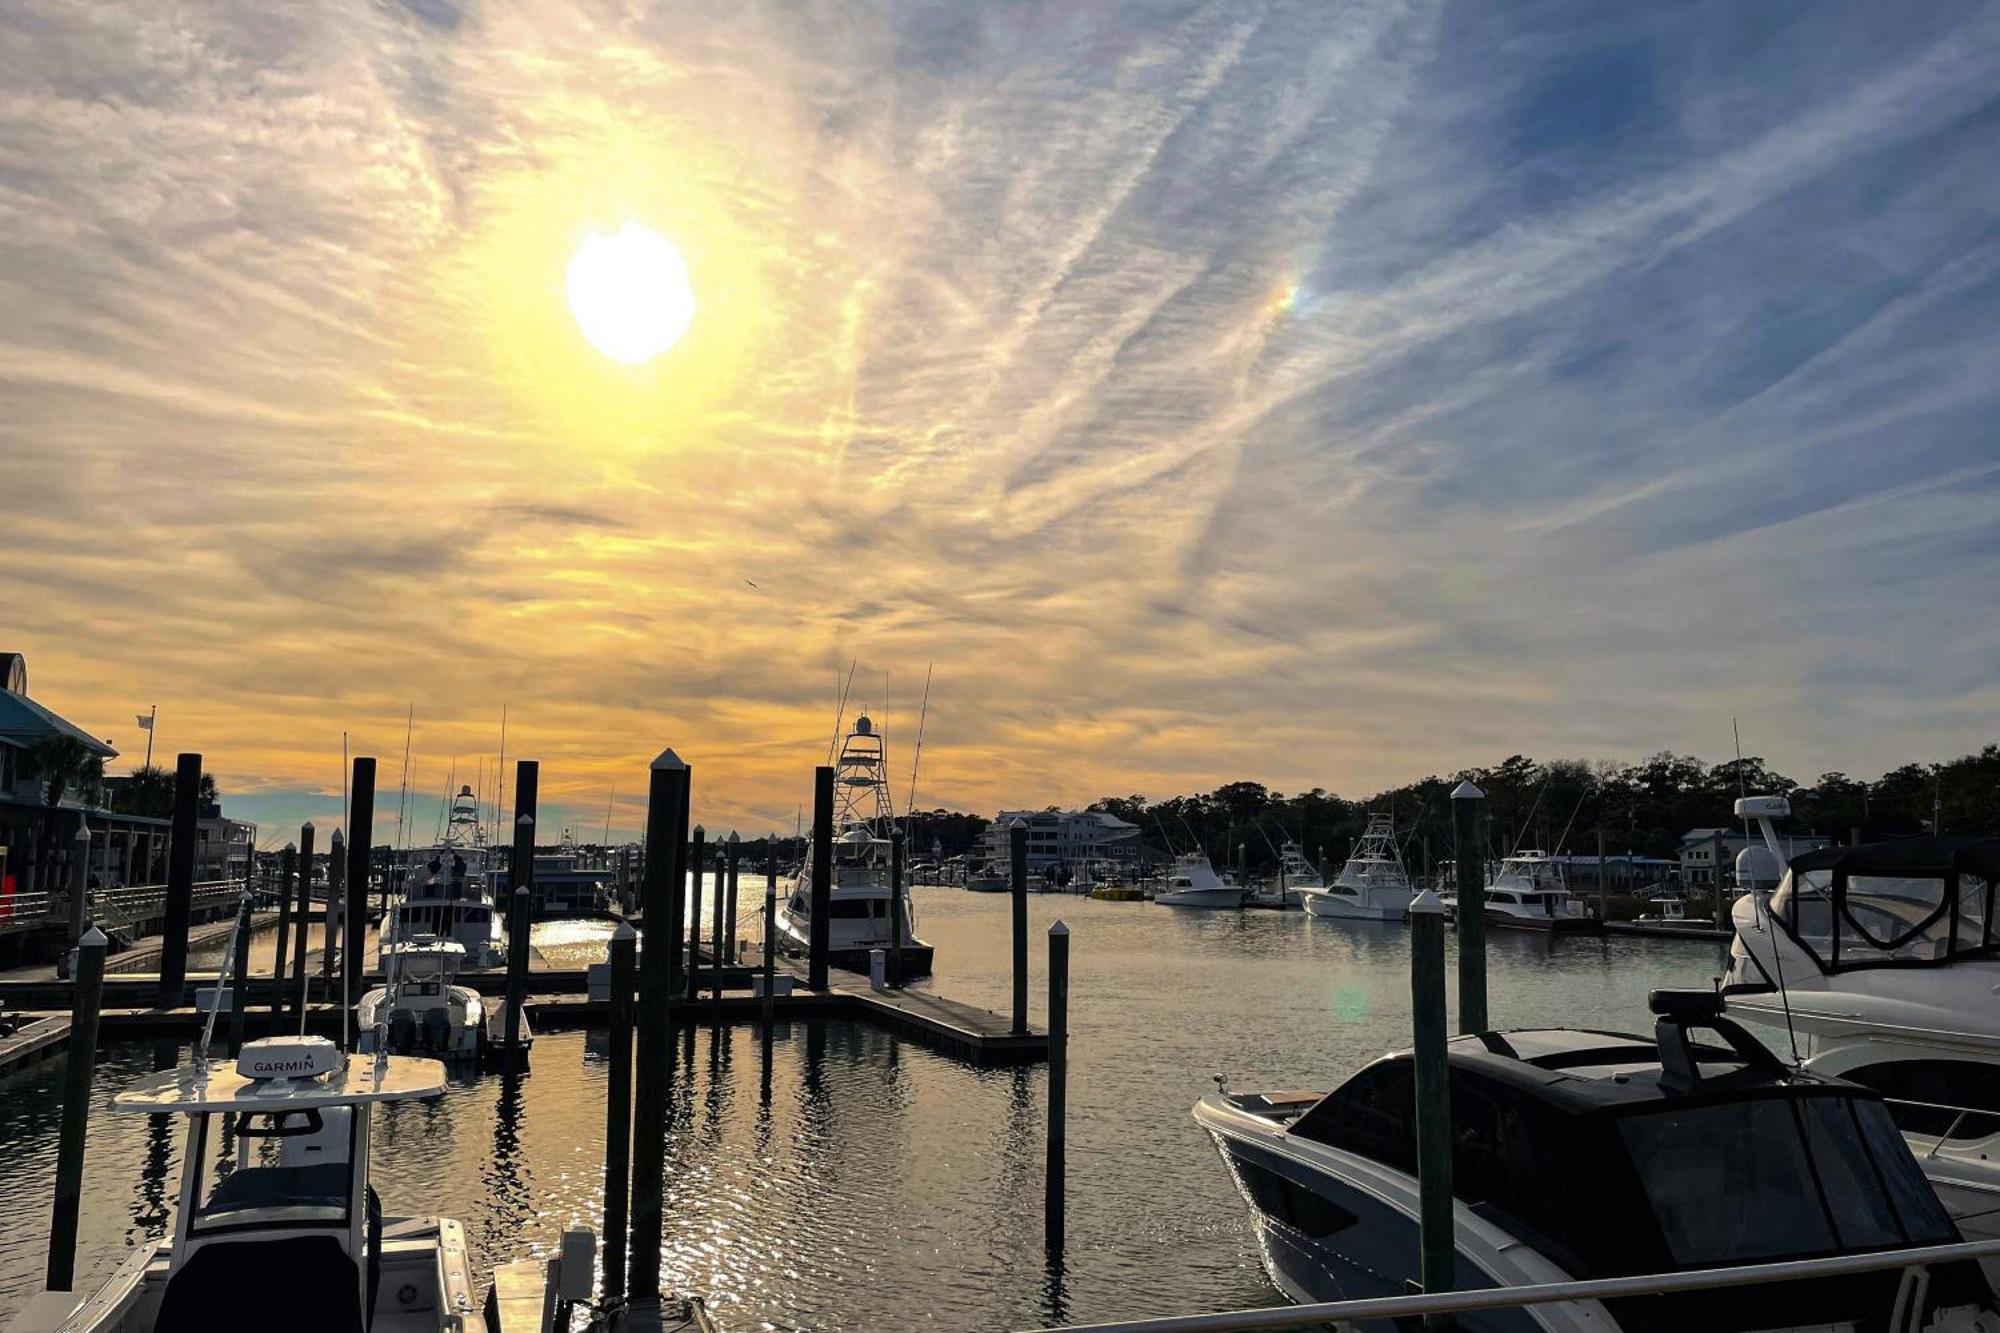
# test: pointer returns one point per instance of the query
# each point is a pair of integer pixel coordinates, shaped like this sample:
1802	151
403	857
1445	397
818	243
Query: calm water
858	1181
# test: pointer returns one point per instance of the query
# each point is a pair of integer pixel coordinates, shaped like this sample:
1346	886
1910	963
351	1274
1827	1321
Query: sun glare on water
630	293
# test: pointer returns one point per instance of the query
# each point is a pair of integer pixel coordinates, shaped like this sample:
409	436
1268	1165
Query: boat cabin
1919	902
1615	1154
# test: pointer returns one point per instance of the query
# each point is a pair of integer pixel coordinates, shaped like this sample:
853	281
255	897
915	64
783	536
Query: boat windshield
271	1168
1773	1178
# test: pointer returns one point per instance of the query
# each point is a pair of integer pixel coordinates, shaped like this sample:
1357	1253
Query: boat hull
1222	899
1562	925
1349	909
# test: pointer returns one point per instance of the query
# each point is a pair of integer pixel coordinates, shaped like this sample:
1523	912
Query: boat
1372	886
420	1009
279	1223
1193	883
1669	911
449	895
1528	893
858	922
1880	962
1589	1154
1288	886
988	881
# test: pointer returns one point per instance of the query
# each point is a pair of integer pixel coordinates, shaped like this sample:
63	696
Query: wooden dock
1689	931
37	1041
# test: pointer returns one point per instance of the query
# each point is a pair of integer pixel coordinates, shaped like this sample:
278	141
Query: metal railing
1905	1317
138	902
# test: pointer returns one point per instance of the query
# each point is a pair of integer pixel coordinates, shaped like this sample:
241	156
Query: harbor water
854	1180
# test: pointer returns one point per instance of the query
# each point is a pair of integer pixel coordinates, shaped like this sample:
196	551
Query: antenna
840	710
346	807
1763	904
608	801
222	977
923	715
403	800
500	791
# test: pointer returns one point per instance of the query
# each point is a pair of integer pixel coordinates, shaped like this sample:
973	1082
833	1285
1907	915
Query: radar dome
1758	867
863	727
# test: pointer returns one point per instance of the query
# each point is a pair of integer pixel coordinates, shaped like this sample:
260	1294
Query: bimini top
1976	856
282	1073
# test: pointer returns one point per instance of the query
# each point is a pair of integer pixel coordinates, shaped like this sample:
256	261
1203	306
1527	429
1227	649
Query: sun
630	293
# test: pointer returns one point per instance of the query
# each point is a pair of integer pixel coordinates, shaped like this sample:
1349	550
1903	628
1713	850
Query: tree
63	761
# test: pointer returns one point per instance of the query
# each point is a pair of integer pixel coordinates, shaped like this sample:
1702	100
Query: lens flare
630	293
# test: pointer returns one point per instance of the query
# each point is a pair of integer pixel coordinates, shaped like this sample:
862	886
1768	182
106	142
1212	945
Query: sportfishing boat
858	919
1372	886
1528	893
1879	963
1295	877
279	1223
420	1009
1193	883
449	896
1583	1154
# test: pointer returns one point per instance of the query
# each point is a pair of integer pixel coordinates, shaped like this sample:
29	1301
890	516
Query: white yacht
420	1009
858	921
1295	878
1528	893
1372	886
1578	1155
279	1225
449	895
1883	961
1193	883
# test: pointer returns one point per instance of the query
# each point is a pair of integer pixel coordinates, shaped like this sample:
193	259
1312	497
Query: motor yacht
420	1009
1372	886
1880	964
858	919
1528	893
279	1223
1192	882
1295	878
449	894
1586	1154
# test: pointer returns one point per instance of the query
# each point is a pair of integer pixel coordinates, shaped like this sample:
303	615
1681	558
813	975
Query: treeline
1561	805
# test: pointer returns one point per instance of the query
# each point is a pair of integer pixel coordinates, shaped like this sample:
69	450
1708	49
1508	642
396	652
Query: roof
1909	856
25	722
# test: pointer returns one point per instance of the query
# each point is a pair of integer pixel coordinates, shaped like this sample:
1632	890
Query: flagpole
151	718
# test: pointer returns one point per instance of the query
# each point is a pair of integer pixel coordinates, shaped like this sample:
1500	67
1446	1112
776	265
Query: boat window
1899	917
1502	1144
1954	1099
848	909
272	1167
1502	898
1742	1181
1804	903
1373	1114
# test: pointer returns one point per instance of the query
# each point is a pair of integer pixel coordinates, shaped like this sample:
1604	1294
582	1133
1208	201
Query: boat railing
1905	1316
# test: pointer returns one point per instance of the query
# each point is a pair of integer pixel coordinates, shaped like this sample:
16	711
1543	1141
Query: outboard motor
437	1030
402	1030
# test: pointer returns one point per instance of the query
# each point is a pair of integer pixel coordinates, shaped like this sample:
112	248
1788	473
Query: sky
1317	394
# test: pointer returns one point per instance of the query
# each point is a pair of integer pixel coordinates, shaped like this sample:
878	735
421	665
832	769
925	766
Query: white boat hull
1375	907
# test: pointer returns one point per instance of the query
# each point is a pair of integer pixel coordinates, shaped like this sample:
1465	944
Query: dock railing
1906	1315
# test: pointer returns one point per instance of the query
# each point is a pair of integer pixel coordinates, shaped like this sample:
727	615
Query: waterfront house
1704	849
1062	838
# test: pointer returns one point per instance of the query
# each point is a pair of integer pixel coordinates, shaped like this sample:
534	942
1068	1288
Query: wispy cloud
1319	393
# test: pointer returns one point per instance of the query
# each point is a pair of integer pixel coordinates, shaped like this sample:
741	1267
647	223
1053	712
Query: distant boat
1194	883
1528	893
420	1009
858	920
1372	886
449	895
988	881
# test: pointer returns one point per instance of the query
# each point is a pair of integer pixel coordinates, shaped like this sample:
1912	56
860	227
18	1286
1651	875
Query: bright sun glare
630	293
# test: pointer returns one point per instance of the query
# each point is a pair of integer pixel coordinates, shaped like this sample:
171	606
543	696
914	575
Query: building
1703	849
1062	838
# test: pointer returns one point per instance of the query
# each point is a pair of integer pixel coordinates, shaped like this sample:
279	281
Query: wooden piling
286	860
822	878
735	846
696	856
80	1064
1427	1002
360	837
1715	858
1467	803
336	876
770	929
180	880
1017	852
1053	1185
666	846
618	1111
896	908
715	945
305	914
79	882
1603	910
521	885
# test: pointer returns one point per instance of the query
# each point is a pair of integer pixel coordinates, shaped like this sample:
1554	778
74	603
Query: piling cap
1467	791
82	831
1427	904
734	836
668	759
624	932
529	820
306	827
93	939
700	832
339	837
1058	929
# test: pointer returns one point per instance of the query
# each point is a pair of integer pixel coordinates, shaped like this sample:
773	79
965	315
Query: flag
145	723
